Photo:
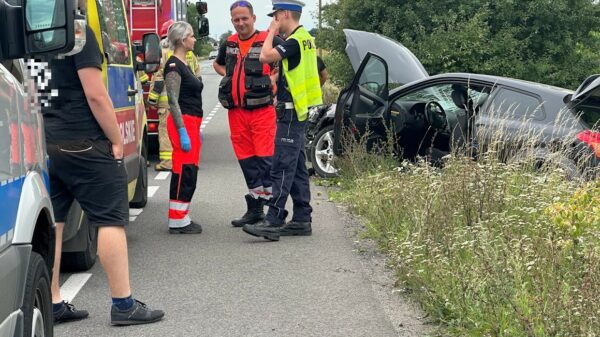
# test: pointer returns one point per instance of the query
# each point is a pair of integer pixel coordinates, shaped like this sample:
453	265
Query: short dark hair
242	3
296	15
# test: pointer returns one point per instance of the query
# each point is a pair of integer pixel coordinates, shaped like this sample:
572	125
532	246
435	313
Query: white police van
28	28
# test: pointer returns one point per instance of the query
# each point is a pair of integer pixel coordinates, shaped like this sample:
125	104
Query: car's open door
361	106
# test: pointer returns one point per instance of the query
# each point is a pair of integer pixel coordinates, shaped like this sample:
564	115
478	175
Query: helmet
164	30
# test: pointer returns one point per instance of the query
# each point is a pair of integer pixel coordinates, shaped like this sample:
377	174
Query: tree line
554	42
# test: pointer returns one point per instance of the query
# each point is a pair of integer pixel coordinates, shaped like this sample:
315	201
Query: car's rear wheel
321	153
37	303
140	197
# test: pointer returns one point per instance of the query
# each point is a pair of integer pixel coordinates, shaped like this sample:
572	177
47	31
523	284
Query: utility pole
320	49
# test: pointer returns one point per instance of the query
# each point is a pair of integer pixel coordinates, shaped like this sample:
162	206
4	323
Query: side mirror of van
202	7
152	53
203	29
37	27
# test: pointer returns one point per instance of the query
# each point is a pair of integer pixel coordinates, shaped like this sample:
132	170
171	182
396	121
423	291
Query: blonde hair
177	32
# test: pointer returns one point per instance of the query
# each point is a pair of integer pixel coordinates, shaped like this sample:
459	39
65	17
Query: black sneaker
192	228
139	313
296	228
265	229
68	313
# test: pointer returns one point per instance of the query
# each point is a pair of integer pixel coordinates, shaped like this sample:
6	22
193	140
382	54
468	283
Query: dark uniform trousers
289	174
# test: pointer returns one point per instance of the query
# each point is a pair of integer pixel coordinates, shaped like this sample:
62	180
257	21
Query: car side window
516	105
115	39
373	78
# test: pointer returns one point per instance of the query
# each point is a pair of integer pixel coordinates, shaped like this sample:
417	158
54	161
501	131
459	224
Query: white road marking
152	190
135	211
208	119
73	285
132	218
162	176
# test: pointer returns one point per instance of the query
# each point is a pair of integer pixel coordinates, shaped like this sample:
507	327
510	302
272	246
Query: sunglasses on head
241	3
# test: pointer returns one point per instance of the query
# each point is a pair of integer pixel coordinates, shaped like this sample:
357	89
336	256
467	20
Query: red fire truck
148	16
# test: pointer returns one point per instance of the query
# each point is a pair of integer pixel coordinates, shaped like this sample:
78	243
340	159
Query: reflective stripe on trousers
185	170
289	174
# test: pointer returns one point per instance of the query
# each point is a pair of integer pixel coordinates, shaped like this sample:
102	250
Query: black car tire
37	302
85	259
323	142
140	197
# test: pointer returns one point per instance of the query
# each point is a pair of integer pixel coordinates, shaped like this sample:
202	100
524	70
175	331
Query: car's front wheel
37	303
321	153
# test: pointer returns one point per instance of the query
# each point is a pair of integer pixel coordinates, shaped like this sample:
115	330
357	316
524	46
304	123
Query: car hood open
403	65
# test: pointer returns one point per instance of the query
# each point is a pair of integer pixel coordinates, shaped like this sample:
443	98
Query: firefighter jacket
246	83
158	90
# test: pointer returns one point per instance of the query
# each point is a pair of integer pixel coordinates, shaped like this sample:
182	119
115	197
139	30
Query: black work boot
254	213
296	228
265	229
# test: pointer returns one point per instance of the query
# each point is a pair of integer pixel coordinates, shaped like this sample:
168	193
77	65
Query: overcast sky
220	19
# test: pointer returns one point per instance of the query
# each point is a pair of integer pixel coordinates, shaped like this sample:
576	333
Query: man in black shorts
85	152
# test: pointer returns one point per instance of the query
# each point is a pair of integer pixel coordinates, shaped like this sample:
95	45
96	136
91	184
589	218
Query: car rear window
590	115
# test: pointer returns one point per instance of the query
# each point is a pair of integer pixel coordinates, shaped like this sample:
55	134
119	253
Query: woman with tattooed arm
183	125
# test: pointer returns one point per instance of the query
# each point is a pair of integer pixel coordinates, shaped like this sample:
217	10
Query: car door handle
131	92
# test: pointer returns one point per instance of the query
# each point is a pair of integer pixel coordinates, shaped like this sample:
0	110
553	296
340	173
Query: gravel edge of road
404	313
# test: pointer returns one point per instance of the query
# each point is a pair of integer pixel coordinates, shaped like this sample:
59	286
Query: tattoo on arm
173	83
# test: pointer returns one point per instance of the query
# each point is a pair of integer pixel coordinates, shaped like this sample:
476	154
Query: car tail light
592	139
153	127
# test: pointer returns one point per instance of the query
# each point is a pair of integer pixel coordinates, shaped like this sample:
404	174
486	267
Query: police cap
286	5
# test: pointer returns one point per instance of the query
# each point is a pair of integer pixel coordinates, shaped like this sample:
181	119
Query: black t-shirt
320	64
290	50
69	115
190	92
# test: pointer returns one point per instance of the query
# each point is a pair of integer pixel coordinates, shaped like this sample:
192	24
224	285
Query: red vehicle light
592	139
152	127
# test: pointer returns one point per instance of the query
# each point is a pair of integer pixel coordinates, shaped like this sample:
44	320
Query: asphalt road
224	282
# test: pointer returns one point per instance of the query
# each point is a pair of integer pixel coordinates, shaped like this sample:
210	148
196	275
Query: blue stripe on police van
10	194
120	80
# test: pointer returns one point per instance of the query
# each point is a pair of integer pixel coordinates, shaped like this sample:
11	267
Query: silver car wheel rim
37	324
324	153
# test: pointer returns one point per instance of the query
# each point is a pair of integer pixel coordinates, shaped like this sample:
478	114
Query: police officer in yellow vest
298	88
158	97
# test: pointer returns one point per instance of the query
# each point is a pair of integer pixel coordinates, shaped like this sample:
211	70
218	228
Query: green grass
487	248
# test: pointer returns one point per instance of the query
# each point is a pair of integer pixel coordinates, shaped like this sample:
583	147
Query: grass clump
487	248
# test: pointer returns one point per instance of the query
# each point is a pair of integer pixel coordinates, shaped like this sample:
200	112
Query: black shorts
86	170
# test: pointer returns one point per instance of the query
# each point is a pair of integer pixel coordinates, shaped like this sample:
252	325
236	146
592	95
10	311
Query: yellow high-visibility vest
303	81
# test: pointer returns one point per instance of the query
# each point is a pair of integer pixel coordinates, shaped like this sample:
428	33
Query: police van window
516	105
9	118
113	26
